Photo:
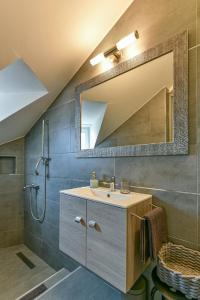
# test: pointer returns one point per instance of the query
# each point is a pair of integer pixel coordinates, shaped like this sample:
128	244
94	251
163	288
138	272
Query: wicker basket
179	268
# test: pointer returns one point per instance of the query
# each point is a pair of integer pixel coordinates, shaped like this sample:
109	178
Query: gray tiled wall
11	196
173	180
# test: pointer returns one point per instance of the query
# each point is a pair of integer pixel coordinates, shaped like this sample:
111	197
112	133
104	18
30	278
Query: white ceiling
19	87
54	38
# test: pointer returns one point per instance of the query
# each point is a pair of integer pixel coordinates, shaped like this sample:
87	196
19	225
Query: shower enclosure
34	188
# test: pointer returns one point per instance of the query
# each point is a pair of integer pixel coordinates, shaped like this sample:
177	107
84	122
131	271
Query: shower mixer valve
31	186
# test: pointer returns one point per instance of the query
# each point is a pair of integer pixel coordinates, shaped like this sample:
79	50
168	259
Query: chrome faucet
108	182
112	184
31	186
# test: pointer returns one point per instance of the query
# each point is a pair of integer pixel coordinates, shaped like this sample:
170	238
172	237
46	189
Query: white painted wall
19	89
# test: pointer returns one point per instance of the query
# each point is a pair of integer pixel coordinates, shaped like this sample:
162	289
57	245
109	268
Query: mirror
132	108
139	107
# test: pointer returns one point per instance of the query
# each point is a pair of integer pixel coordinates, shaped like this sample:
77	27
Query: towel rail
153	205
134	215
141	218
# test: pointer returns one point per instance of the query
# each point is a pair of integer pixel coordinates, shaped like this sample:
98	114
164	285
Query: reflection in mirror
133	108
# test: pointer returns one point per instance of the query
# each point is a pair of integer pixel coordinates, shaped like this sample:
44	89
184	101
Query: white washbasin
107	197
105	193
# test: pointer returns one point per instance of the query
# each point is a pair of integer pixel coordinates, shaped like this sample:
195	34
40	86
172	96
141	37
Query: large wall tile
33	242
52	212
176	173
198	21
181	210
54	185
11	197
181	214
198	213
12	183
50	233
11	201
60	166
51	255
192	97
81	168
61	116
33	145
184	243
60	141
198	111
13	148
11	238
32	226
71	167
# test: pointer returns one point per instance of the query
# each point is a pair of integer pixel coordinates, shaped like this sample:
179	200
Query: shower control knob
78	219
92	224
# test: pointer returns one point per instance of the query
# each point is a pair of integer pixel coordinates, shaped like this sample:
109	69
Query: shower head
37	166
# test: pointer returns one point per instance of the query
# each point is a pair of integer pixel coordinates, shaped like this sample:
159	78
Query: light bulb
126	41
97	59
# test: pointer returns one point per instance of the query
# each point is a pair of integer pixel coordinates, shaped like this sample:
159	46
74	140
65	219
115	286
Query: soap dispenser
93	181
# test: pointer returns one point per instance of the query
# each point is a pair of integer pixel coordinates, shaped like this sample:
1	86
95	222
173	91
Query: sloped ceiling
19	87
53	38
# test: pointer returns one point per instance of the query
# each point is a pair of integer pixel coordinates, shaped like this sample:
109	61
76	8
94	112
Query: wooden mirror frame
179	46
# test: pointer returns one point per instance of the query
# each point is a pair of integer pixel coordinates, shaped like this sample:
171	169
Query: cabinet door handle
78	219
92	224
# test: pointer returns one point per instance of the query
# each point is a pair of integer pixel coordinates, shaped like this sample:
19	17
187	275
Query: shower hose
35	215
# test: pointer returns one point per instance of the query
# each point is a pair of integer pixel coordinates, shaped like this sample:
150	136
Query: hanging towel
153	233
144	241
157	230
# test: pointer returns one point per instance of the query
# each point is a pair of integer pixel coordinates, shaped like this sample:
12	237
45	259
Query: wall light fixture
114	53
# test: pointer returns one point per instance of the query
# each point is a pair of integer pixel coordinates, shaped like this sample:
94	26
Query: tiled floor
15	276
82	285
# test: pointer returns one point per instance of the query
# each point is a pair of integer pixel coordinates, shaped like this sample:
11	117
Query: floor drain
26	260
34	293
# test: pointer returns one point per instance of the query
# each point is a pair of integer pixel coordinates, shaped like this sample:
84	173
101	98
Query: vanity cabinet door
106	242
72	233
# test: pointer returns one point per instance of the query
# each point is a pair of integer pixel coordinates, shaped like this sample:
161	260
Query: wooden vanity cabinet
106	243
72	229
108	240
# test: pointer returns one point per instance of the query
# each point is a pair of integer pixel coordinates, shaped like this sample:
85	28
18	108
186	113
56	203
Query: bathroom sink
104	195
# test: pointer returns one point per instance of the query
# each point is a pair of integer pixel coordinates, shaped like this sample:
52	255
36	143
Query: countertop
105	196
